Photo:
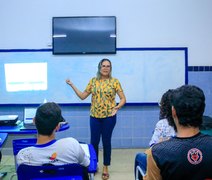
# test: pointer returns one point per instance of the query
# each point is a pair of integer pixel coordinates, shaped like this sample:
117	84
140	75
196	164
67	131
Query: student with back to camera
48	150
103	108
188	155
163	131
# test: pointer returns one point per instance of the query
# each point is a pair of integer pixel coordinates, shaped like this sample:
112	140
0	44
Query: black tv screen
84	35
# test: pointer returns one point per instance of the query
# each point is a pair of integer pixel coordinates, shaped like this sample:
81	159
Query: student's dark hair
165	104
47	117
98	74
165	108
189	103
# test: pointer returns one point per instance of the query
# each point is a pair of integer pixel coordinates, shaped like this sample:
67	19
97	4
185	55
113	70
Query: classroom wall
154	23
177	23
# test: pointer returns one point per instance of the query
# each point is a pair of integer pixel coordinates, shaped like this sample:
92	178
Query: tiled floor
121	165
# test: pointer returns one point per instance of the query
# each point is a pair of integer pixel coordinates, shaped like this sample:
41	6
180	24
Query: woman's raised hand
68	82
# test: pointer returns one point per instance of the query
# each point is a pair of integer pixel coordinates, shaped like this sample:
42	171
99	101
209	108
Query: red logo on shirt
53	156
194	156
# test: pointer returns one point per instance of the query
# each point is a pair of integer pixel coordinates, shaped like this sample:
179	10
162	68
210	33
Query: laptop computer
29	114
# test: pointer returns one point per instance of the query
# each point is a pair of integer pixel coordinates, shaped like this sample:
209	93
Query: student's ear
174	114
57	127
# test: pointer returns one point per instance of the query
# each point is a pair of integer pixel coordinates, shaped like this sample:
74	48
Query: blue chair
28	172
139	173
62	172
19	144
3	137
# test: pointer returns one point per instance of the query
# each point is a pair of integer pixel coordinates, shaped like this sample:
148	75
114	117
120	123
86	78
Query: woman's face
105	69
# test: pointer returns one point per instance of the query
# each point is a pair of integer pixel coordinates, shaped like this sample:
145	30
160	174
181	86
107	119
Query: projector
8	120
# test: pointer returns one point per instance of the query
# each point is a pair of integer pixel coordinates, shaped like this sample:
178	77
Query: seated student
48	150
188	155
162	130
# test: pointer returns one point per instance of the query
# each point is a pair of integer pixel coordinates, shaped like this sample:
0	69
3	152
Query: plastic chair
28	172
3	137
19	144
62	172
139	173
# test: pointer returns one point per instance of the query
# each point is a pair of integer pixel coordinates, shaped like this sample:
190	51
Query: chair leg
14	175
91	176
2	174
139	172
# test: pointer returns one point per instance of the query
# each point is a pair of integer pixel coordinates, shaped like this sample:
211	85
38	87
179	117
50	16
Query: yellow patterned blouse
103	96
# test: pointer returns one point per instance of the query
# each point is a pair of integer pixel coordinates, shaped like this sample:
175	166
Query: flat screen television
84	35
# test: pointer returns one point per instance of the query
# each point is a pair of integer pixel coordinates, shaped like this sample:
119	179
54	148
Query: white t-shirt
162	131
56	152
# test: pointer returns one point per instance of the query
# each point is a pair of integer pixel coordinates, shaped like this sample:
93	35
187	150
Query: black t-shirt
184	158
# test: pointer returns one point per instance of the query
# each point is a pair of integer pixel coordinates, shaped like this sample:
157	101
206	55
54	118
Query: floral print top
163	131
103	96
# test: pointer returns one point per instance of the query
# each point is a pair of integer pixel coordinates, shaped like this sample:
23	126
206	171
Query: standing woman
103	109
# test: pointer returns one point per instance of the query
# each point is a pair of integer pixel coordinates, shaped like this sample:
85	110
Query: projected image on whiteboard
26	76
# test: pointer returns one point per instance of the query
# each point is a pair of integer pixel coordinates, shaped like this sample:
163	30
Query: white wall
153	23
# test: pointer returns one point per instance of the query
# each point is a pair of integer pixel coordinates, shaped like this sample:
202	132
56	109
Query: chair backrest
62	172
19	144
3	137
28	172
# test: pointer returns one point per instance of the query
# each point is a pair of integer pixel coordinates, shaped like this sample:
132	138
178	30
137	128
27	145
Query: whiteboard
145	74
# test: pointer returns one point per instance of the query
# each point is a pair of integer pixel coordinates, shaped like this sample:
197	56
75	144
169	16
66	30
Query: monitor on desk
29	114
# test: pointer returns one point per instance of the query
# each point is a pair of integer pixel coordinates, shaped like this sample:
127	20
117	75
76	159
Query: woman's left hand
115	109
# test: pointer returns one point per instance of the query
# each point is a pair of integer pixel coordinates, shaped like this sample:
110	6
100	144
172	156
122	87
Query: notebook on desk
29	114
